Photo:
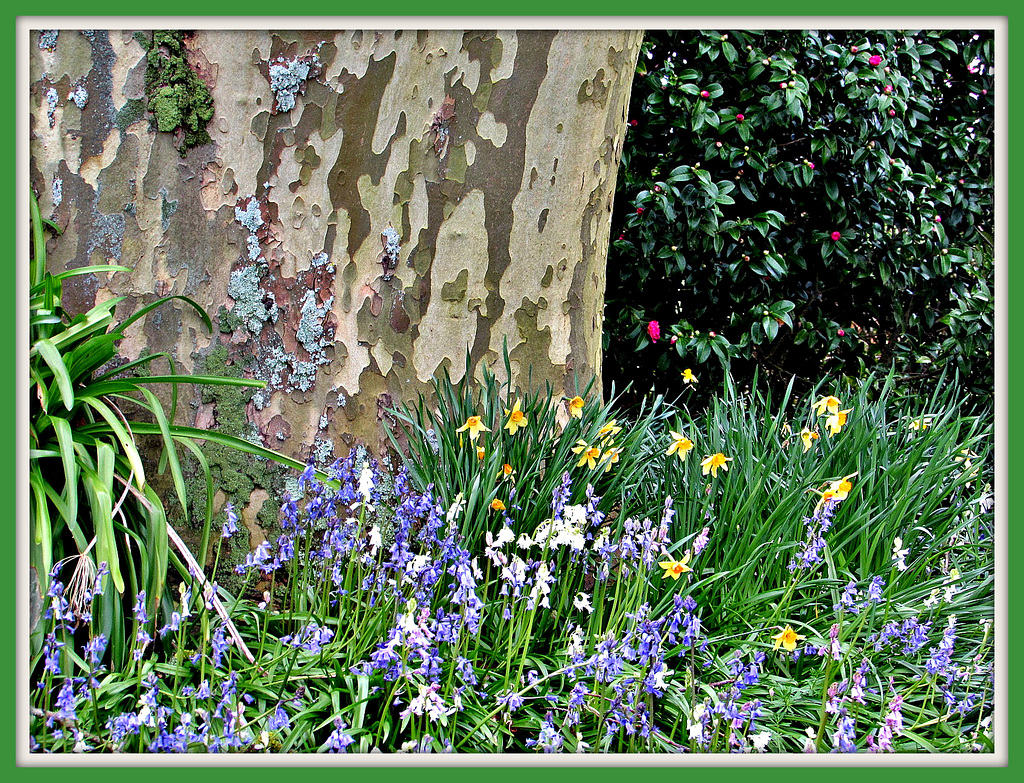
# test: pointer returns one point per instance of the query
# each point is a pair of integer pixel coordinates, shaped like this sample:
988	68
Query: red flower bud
840	332
739	117
836	236
874	60
705	94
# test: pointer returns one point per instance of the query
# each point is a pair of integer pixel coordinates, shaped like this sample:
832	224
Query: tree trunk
368	206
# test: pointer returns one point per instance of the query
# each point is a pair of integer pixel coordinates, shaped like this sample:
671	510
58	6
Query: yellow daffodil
837	490
480	452
808	437
831	404
589	455
787	638
841	487
516	419
609	430
681	445
506	472
688	376
497	505
920	424
475	427
836	421
610	457
576	407
676	568
713	463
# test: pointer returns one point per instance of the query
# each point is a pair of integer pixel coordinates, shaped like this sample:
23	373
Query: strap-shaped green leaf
53	359
124	437
101	505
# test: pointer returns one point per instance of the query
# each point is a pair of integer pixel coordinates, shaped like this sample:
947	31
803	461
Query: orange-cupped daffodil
675	568
589	455
576	407
808	437
475	427
516	419
836	421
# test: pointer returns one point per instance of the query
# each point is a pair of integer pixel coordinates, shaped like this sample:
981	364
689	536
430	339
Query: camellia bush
805	203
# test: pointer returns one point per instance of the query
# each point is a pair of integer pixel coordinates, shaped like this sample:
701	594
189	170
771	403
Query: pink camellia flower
711	334
739	117
853	50
705	94
892	112
673	340
782	85
840	332
639	210
835	236
875	60
888	88
938	219
654	330
810	165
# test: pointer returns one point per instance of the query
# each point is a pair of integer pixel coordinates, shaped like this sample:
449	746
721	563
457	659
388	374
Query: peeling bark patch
167	208
441	126
595	89
542	220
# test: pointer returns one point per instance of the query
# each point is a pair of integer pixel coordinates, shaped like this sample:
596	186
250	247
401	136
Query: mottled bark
370	206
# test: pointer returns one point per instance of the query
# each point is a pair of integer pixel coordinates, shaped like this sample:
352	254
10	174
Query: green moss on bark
236	474
180	101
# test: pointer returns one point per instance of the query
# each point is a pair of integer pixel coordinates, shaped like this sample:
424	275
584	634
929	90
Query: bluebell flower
339	740
219	644
230	522
511	701
279	720
549	740
141	616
